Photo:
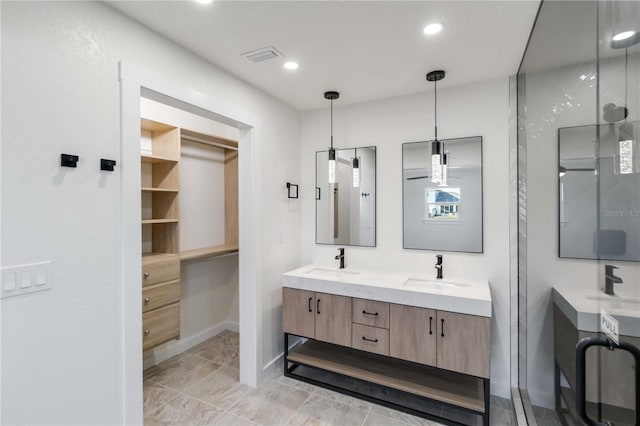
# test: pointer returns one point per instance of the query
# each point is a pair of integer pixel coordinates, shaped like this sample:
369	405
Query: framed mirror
599	165
346	209
442	200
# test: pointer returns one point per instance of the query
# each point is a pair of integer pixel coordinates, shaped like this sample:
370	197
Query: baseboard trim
275	367
164	352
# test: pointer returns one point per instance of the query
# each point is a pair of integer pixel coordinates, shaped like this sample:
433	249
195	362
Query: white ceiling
365	50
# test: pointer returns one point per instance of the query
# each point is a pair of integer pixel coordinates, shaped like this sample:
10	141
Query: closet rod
198	140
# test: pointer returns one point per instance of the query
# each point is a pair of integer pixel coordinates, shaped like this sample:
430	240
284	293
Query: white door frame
134	83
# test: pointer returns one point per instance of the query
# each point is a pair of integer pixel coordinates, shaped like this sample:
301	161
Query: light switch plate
24	279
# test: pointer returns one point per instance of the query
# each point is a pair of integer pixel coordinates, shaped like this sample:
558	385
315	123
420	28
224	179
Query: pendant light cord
626	70
331	123
435	108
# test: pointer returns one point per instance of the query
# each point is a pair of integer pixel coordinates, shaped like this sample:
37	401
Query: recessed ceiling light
623	35
433	28
204	1
291	65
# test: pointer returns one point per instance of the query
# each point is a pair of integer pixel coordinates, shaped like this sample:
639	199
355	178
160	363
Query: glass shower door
613	395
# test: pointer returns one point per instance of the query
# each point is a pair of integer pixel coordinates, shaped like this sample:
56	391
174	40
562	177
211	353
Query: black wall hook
292	190
68	160
107	164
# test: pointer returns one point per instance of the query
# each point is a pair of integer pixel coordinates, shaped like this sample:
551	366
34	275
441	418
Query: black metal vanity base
330	375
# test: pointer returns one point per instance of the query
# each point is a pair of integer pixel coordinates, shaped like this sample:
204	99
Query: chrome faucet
340	257
610	279
439	266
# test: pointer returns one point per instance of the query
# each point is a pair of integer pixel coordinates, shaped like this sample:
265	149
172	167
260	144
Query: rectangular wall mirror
599	165
442	203
346	209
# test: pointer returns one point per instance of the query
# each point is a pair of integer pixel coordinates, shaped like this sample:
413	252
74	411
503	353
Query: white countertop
583	310
473	298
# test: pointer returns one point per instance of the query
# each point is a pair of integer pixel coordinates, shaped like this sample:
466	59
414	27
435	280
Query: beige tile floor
201	387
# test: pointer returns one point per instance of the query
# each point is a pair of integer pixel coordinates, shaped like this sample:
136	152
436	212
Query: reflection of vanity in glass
443	214
599	163
346	209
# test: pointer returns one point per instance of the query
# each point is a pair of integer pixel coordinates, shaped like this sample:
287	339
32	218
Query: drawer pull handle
369	313
442	327
310	308
370	340
147	300
318	306
430	322
146	332
146	275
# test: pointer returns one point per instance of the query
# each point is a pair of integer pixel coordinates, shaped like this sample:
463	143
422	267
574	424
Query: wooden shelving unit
203	253
160	156
160	186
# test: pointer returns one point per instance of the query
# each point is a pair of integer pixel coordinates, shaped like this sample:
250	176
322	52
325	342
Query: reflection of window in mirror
442	204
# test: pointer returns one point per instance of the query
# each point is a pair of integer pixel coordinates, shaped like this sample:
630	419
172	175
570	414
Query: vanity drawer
370	339
160	270
156	296
160	325
371	312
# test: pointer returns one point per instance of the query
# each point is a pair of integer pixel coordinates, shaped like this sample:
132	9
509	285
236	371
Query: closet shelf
155	159
156	256
205	252
159	190
151	221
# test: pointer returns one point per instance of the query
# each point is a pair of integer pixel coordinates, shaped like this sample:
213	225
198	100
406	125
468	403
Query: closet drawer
159	295
160	325
370	339
370	312
157	271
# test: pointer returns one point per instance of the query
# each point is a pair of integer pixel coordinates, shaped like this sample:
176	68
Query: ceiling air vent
262	54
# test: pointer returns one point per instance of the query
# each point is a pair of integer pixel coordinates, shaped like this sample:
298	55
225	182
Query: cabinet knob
146	275
147	300
146	332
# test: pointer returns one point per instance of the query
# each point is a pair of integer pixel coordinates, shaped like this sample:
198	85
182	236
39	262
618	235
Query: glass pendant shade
626	158
436	161
444	167
355	172
332	165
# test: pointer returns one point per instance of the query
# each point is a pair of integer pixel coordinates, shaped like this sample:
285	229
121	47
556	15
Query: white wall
62	349
480	109
555	99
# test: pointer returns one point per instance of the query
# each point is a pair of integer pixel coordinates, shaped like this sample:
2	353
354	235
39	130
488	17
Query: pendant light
625	150
437	148
331	95
355	170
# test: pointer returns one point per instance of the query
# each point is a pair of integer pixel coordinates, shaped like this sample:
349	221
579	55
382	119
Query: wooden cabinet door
464	343
412	334
298	312
333	319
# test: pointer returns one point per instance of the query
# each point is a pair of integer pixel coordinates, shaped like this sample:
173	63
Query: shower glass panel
579	207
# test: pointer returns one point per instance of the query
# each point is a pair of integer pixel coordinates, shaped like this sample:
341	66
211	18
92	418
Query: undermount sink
331	272
417	282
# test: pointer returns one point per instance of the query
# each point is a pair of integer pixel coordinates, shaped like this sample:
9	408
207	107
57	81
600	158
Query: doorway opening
205	152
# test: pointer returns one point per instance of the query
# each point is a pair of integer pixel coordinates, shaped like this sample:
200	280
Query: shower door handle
581	353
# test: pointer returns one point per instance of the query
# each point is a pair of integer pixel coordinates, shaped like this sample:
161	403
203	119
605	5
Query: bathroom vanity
610	374
428	339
